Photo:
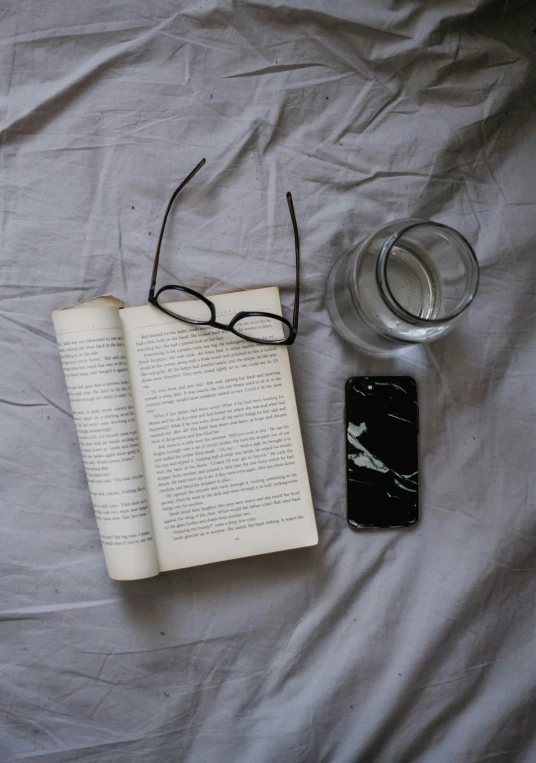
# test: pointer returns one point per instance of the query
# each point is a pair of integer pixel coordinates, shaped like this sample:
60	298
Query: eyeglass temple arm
297	247
161	236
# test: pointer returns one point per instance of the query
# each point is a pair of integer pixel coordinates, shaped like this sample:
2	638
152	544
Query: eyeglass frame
153	298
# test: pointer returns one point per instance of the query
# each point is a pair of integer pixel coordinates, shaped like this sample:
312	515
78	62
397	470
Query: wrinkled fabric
389	647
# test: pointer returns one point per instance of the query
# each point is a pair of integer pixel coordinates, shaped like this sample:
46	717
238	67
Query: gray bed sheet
389	647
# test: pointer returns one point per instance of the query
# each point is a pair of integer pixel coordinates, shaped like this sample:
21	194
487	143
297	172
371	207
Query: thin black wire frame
153	298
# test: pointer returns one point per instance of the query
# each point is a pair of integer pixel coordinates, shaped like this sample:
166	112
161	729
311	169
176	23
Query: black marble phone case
382	421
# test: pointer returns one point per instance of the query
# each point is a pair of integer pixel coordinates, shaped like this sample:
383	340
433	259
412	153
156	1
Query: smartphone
382	425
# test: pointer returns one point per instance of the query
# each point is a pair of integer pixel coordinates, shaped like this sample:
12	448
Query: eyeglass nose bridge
222	326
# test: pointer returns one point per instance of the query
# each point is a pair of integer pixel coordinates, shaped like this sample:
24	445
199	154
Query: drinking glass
407	283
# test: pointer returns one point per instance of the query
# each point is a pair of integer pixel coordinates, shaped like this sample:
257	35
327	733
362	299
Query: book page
220	435
90	340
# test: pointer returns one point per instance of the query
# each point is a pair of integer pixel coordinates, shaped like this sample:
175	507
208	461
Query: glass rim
383	282
194	297
244	315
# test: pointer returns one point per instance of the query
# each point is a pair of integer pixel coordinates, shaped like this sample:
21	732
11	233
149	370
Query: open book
189	435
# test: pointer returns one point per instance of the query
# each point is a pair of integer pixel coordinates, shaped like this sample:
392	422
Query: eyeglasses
259	327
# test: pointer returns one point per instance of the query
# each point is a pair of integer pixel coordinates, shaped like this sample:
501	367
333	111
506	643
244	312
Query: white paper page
220	436
90	340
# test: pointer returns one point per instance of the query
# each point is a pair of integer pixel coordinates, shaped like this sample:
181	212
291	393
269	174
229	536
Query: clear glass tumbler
405	284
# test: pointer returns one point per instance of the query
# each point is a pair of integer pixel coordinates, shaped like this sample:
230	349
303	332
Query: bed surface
369	648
